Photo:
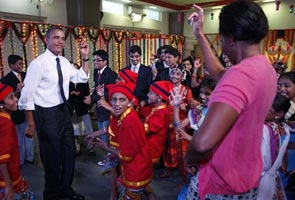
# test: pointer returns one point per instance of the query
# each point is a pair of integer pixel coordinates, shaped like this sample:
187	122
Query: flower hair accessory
291	111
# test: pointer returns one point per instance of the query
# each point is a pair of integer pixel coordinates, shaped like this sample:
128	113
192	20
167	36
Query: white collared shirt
135	68
101	71
41	83
165	65
15	73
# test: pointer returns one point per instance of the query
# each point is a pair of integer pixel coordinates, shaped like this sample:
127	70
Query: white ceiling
173	5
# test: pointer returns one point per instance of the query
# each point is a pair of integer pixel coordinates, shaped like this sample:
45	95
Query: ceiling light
266	1
216	7
136	17
153	7
127	1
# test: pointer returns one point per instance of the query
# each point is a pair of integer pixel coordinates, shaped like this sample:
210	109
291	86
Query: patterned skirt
172	151
175	152
132	194
22	192
192	193
111	162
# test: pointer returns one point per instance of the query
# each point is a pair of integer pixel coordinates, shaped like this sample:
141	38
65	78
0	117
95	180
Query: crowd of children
171	118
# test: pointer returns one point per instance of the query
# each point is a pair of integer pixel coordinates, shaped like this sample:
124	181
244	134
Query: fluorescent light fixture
216	7
136	17
153	7
127	1
266	1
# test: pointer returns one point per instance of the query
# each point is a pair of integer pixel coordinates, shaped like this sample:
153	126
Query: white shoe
101	163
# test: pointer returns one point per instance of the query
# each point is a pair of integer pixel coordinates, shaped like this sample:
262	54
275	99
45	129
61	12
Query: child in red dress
156	124
176	148
132	146
12	184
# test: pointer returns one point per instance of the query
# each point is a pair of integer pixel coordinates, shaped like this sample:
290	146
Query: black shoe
73	196
78	152
31	162
91	152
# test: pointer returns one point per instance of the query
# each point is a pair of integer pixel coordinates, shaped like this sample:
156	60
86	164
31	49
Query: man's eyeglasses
98	60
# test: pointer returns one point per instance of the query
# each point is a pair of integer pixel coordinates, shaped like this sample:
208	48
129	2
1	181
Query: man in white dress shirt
44	97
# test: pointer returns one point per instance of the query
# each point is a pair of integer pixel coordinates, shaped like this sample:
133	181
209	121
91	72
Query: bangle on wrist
85	59
176	123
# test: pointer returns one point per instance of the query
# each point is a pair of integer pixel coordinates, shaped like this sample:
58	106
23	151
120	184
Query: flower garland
116	43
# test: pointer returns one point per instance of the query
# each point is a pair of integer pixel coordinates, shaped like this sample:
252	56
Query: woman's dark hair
281	103
208	82
279	64
243	20
288	75
190	61
279	67
220	58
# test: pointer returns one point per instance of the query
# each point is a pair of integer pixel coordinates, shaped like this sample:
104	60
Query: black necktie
60	80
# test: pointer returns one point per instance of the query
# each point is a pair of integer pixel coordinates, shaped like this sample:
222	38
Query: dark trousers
57	149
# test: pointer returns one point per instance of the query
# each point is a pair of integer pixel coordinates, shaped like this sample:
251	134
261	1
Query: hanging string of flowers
106	35
34	42
115	42
93	34
119	36
23	32
41	30
4	26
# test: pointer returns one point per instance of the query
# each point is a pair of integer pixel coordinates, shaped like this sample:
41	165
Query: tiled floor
89	181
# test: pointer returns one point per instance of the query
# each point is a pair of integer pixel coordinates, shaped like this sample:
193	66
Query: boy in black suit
15	79
103	75
160	64
172	57
144	77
